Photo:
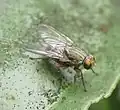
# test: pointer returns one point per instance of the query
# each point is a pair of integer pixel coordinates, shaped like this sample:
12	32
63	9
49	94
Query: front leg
82	78
83	81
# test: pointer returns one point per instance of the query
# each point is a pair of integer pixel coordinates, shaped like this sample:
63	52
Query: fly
58	47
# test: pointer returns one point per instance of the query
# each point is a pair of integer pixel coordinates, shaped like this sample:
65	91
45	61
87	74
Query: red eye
87	61
87	64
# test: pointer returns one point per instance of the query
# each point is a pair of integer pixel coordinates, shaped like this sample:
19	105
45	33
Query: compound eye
87	64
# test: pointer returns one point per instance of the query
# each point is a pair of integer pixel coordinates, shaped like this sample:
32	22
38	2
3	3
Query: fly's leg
75	79
33	58
82	78
43	58
83	81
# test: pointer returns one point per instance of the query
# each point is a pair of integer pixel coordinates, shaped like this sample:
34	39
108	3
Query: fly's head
89	62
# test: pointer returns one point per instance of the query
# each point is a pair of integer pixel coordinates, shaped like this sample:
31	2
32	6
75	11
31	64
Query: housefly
58	47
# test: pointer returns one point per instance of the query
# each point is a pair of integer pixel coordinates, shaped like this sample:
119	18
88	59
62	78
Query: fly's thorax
75	54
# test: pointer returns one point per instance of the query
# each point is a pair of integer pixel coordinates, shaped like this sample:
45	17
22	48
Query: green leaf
33	84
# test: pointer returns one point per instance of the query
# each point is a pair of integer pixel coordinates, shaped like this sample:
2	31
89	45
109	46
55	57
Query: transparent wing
51	43
50	35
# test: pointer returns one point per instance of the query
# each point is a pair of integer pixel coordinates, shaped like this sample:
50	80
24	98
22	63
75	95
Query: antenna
94	72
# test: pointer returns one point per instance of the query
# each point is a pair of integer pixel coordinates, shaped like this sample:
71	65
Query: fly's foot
85	90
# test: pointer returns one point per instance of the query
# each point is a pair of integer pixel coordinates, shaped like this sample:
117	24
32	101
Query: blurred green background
91	24
111	103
